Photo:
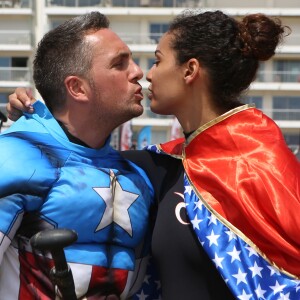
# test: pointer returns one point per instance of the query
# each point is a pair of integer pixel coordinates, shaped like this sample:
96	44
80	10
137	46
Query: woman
235	218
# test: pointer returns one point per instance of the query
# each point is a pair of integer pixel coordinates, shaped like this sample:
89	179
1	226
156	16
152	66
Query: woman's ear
192	70
76	87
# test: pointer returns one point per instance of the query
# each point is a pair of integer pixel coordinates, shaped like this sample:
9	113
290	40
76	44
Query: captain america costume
48	182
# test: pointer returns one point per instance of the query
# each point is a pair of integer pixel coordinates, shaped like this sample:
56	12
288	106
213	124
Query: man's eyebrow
122	55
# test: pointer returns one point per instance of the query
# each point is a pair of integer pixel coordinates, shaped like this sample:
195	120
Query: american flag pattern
247	273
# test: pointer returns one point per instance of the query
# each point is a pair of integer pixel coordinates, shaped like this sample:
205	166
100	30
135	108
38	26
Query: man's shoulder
22	161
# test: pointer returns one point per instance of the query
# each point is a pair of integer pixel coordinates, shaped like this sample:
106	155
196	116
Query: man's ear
76	87
192	70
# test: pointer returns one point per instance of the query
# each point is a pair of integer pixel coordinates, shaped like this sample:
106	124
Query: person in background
59	171
227	221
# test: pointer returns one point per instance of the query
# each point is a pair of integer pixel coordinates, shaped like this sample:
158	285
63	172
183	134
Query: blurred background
140	23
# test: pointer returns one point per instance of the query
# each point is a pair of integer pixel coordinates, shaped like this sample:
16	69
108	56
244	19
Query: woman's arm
18	102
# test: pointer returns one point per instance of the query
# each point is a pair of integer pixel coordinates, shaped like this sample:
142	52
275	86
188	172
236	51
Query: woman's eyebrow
158	52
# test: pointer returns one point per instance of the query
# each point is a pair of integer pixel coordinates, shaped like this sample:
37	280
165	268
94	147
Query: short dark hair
228	49
62	52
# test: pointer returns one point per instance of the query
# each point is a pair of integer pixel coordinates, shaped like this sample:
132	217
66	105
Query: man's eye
156	62
118	64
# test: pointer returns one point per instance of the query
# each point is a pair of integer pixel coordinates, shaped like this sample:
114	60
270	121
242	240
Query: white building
140	23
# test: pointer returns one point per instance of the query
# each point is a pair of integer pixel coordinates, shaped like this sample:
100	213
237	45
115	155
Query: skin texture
180	90
109	96
115	89
101	101
167	80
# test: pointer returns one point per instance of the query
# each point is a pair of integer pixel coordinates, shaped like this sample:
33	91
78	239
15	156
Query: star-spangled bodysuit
48	182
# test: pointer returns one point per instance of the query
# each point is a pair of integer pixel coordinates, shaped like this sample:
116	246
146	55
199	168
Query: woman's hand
18	102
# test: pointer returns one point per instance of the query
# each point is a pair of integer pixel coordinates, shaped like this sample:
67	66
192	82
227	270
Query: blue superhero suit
48	182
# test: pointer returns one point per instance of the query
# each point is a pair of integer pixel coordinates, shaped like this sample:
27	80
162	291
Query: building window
286	108
13	69
257	100
287	71
3	102
261	73
151	62
157	30
3	98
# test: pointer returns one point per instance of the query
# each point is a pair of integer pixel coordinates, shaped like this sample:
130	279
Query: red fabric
243	169
36	284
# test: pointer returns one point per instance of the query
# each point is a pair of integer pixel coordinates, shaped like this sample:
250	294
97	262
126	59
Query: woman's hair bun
260	35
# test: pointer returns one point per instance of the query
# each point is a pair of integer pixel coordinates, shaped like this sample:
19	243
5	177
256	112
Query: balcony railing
15	37
14	74
153	38
278	76
126	3
135	38
16	3
286	114
177	3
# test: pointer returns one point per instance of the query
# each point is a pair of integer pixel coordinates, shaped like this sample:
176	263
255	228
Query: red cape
241	166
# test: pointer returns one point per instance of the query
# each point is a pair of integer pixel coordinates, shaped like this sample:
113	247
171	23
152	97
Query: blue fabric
95	192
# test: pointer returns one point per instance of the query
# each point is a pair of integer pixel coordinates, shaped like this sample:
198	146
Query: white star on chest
117	203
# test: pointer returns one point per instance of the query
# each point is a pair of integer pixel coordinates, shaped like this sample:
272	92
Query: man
67	175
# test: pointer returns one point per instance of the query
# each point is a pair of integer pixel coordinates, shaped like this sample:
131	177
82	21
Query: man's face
115	91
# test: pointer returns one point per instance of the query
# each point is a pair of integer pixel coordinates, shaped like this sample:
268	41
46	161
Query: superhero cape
242	187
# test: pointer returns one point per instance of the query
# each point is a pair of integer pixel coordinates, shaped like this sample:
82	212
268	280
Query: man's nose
137	71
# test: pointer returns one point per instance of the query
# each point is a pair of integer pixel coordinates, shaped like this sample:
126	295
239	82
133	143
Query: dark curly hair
228	49
63	51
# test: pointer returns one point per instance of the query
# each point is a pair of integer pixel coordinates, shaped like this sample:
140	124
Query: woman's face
166	79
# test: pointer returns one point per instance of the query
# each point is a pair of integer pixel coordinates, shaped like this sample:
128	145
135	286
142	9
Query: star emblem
260	292
188	189
277	288
231	235
240	277
235	254
118	202
218	261
284	296
245	296
251	251
213	238
256	270
142	295
196	222
198	205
